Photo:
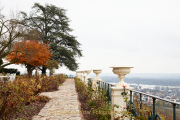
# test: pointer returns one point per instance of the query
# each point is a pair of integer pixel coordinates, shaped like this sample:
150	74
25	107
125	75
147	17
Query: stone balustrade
87	77
116	96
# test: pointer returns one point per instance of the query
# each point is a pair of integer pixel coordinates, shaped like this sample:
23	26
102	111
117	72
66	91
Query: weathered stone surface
63	104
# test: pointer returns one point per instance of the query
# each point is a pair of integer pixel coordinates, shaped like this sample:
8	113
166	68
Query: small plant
95	101
133	109
126	112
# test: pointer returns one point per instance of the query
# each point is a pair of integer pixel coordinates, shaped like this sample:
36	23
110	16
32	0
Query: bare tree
9	32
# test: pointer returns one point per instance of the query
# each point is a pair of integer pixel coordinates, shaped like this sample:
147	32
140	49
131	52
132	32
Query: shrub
94	101
23	90
51	83
39	98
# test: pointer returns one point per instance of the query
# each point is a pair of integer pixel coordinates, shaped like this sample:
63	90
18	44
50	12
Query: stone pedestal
118	99
97	78
82	76
87	77
116	91
78	74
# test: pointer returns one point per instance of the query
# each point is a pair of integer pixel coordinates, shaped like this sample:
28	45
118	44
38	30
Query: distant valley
149	81
164	79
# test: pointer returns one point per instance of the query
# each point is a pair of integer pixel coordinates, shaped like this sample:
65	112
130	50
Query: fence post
140	103
154	105
130	96
108	94
98	83
174	111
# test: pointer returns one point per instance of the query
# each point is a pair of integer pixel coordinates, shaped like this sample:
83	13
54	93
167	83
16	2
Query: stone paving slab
63	104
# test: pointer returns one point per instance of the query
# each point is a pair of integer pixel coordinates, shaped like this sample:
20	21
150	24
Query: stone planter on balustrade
87	77
97	78
78	74
82	77
118	89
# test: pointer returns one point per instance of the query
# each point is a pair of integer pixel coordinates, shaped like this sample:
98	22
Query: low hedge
23	90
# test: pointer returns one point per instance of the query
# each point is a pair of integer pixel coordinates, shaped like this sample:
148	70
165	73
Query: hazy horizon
139	75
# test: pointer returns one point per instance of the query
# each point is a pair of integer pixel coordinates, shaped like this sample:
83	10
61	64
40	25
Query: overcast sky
144	34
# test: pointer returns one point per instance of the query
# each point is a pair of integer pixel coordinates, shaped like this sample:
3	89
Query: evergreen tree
53	24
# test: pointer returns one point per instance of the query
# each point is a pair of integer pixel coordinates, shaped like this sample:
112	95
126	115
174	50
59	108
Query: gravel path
63	104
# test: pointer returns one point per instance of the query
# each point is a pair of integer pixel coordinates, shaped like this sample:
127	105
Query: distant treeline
149	81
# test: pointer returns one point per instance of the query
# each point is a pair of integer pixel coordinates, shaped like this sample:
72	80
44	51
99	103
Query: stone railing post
78	74
87	77
97	78
81	75
116	96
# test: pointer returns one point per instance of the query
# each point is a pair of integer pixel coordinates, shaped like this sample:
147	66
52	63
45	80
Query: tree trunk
1	62
30	69
30	73
51	72
44	70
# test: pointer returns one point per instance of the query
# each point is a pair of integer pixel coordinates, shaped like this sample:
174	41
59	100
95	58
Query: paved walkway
63	104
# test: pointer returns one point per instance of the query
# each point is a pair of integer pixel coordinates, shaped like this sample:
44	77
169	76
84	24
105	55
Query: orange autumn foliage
30	53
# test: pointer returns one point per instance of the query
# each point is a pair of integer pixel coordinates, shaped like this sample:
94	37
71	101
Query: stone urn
87	77
121	71
82	75
78	74
97	72
87	72
97	78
